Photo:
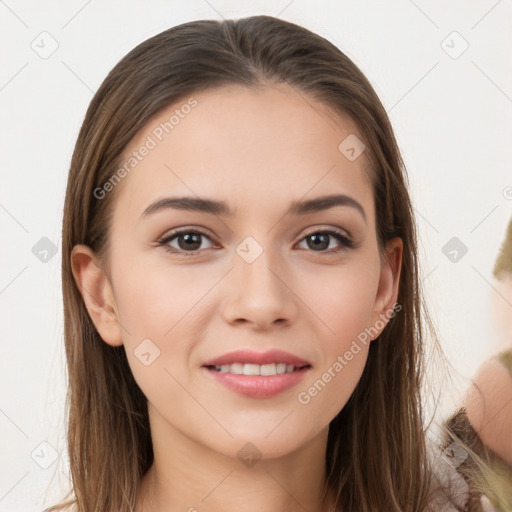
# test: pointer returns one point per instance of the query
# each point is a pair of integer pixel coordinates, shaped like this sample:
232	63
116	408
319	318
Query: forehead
265	145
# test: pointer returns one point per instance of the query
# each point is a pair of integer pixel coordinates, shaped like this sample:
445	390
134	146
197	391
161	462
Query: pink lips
258	386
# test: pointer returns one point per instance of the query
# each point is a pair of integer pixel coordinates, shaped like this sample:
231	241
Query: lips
257	374
259	358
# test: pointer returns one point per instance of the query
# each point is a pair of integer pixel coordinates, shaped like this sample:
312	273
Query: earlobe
387	293
97	294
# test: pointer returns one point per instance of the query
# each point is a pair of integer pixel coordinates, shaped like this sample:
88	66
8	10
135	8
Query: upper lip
251	357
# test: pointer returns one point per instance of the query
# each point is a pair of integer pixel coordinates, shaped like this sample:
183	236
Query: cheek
339	379
156	310
162	311
343	300
156	302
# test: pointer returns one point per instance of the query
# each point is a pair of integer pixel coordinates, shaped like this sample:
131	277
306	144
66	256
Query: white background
452	118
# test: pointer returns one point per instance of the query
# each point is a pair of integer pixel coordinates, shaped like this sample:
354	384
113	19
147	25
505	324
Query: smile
256	369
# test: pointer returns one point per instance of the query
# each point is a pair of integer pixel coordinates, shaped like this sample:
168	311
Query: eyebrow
196	204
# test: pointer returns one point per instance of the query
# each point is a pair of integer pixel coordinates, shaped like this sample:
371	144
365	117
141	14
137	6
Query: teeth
256	369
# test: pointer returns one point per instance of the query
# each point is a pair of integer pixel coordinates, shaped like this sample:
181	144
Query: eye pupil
189	237
317	242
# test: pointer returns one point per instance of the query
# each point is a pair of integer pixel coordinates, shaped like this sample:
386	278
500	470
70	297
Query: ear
387	292
97	294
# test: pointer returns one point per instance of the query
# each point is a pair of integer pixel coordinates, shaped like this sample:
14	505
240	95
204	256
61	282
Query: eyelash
346	242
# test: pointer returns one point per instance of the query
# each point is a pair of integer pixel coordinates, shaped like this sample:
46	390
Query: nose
260	294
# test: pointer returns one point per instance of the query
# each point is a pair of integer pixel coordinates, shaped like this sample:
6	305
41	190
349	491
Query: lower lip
259	386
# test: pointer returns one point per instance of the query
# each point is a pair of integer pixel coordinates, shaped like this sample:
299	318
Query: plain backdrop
442	70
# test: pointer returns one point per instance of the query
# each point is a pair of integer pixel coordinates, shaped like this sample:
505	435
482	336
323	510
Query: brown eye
188	241
320	241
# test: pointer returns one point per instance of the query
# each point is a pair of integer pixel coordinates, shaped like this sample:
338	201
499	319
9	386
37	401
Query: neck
188	476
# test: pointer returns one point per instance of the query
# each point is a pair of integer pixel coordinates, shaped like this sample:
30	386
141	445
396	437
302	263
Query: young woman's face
257	280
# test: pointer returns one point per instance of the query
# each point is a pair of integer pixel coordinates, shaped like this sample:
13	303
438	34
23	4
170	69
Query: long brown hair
376	450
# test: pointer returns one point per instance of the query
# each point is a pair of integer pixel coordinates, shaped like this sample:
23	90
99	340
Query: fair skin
257	150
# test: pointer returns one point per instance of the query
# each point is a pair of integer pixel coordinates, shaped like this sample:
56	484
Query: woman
263	141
